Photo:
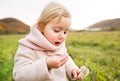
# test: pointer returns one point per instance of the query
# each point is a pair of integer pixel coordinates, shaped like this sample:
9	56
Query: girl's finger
74	74
79	76
63	60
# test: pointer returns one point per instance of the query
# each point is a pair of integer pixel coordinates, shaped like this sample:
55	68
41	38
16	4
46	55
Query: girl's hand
56	61
81	73
76	74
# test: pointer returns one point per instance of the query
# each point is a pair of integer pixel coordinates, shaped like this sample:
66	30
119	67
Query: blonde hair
51	11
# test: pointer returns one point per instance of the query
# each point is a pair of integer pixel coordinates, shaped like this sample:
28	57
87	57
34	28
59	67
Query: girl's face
55	31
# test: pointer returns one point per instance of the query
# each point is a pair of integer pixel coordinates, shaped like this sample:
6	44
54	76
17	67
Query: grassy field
99	51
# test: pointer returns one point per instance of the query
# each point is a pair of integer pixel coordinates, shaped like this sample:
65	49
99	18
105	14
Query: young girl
42	55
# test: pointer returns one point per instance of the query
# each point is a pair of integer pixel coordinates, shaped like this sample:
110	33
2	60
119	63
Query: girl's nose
61	35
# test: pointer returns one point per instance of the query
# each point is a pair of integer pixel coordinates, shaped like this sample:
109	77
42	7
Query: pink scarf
36	40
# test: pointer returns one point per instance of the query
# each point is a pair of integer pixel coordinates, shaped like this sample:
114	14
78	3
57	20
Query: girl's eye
56	31
65	32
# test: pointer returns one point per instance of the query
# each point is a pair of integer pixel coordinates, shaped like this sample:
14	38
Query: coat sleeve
27	68
70	65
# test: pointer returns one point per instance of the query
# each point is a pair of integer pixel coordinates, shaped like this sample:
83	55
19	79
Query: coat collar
36	40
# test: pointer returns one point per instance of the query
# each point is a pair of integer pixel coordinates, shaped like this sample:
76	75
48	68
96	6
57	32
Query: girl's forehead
64	22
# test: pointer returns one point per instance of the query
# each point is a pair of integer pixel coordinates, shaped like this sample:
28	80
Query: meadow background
99	51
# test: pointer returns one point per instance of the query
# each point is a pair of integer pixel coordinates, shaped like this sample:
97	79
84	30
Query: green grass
99	51
8	47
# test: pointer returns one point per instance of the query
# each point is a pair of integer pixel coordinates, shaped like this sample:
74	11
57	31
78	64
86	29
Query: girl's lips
57	43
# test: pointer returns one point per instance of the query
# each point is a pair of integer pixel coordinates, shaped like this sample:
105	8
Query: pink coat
30	62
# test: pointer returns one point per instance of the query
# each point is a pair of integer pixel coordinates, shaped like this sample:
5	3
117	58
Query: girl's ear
40	27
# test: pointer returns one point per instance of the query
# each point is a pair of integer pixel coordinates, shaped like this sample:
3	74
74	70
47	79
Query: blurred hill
110	24
13	26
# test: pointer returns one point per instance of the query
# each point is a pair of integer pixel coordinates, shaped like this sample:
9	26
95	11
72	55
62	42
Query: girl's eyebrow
58	27
63	28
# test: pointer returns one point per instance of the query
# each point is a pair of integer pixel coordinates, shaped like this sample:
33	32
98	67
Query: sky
84	12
